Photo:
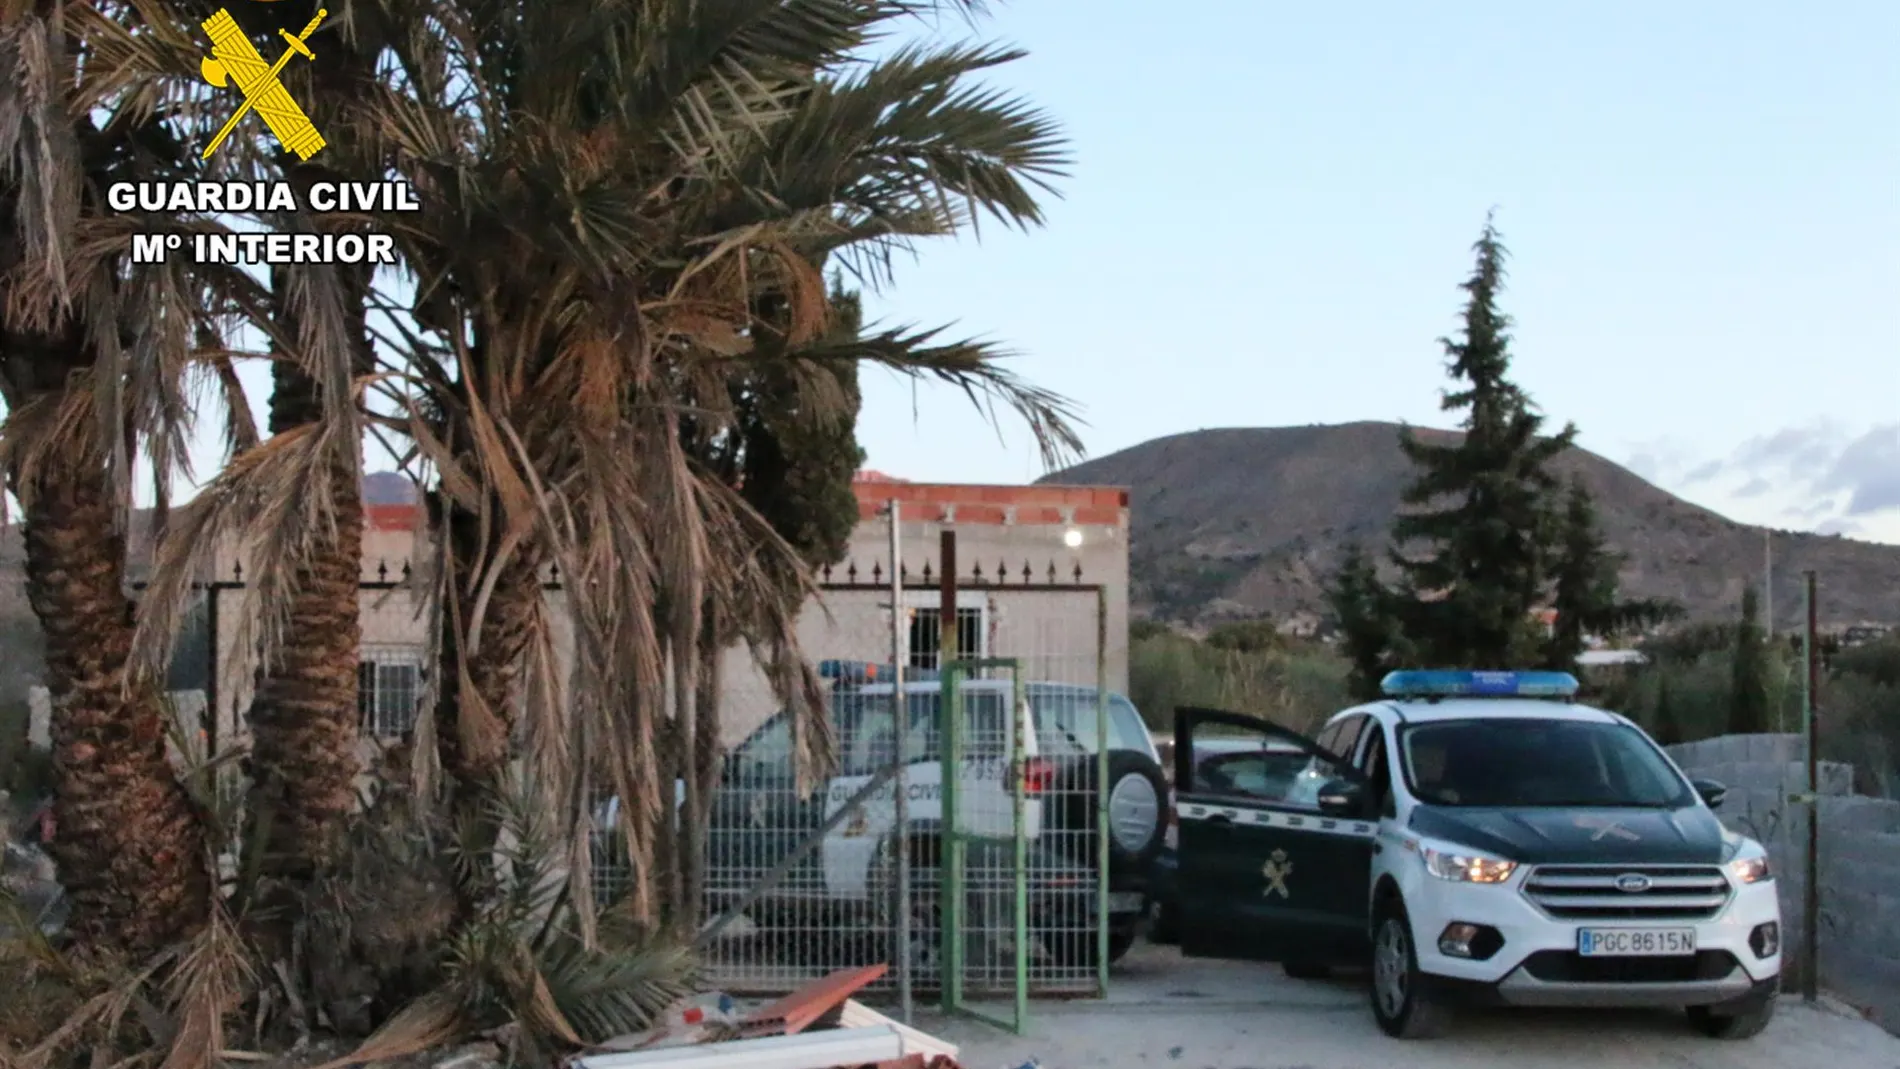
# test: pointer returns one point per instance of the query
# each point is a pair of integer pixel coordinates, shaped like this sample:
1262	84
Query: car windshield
1518	762
867	733
1067	719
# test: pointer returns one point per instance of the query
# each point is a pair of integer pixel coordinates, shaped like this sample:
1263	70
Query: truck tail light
1039	775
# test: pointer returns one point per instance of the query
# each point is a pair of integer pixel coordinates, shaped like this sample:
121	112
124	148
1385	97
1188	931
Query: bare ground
1167	1011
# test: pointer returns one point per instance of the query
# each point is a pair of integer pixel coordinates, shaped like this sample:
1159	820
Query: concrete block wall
1858	927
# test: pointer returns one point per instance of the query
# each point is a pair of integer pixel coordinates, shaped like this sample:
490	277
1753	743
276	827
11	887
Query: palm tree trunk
129	842
703	776
475	730
304	715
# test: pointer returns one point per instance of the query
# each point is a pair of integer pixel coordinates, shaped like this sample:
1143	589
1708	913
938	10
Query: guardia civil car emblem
1276	870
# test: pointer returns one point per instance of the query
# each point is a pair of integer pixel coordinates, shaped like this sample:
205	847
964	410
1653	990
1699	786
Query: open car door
1265	874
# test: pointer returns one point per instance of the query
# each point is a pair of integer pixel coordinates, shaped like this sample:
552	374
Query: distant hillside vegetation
1246	522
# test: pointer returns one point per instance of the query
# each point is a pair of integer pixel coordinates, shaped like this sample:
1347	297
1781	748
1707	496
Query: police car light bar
1450	683
862	672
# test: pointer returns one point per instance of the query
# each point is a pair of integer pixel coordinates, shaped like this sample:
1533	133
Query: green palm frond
619	989
971	366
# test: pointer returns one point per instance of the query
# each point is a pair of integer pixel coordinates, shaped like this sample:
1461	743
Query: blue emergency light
851	671
858	673
1460	683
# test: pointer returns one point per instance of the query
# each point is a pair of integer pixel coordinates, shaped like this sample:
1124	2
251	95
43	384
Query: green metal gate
985	843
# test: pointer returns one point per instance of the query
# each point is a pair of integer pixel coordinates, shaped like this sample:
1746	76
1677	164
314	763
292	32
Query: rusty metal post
950	850
900	719
1811	906
947	601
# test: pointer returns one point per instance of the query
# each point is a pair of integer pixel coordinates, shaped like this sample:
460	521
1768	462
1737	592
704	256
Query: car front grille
1628	892
1568	967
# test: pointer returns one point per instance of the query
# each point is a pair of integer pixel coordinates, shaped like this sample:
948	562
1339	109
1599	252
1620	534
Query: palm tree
602	258
94	350
607	253
598	258
304	713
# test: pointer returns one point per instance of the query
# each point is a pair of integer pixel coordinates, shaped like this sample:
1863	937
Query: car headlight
1464	866
1750	866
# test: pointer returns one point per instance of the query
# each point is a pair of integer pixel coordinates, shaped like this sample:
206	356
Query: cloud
1827	506
1868	469
1659	460
1803	452
1702	473
1821	476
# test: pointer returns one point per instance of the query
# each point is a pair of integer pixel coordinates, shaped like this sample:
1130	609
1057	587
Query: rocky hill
1246	522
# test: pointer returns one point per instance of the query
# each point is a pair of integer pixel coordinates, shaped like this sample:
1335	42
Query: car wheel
1717	1022
1166	930
1306	970
924	951
1400	1002
1136	797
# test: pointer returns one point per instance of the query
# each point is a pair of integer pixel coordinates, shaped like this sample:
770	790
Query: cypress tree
1362	614
1667	722
1748	687
1473	549
1584	586
798	430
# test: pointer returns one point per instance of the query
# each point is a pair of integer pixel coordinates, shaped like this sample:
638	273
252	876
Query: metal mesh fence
815	875
825	859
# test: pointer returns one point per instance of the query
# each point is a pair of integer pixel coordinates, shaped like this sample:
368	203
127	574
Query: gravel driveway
1167	1011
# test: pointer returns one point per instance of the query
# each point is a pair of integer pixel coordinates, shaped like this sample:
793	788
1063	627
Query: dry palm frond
39	155
209	982
46	432
268	504
106	993
425	1024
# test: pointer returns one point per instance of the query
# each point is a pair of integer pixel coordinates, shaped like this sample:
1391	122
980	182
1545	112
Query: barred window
389	690
926	634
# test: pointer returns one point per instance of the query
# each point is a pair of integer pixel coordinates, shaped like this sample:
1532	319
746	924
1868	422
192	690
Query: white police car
759	817
1479	838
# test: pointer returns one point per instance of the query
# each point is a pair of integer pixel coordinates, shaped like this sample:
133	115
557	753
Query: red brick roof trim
1086	506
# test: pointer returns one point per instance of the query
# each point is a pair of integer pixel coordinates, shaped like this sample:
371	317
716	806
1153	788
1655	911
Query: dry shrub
60	1007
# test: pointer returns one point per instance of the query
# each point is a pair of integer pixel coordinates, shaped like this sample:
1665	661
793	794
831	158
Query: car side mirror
1712	792
1342	798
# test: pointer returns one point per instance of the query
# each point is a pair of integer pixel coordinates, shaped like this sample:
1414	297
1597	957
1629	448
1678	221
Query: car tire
1166	930
1401	1003
926	890
1136	799
1719	1022
1306	970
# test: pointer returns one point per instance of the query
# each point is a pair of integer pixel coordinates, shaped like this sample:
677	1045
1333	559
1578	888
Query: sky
1272	205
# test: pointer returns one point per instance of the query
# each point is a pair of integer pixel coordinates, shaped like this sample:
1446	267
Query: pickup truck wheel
926	934
1137	794
1400	1002
1716	1022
